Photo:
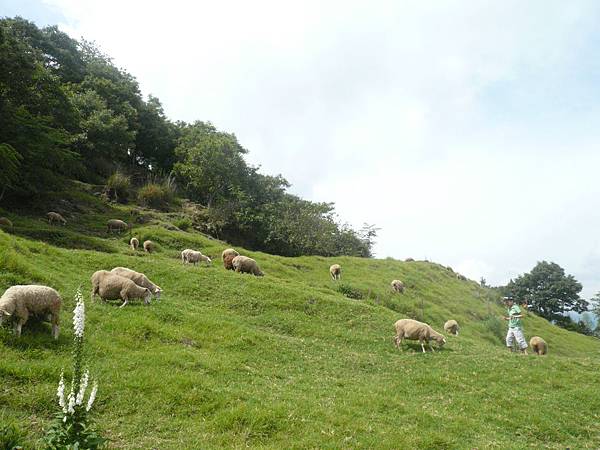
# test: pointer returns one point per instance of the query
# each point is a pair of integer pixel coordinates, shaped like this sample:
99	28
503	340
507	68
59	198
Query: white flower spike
79	315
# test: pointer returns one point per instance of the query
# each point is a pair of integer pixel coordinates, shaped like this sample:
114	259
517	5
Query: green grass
286	361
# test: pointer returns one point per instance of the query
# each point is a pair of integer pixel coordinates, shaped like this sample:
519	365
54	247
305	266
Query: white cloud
466	130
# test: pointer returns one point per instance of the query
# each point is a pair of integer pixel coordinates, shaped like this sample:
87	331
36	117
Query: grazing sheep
228	262
118	225
194	257
335	271
227	252
138	278
21	302
461	277
5	222
397	286
148	246
134	243
111	286
451	326
538	345
415	330
243	264
55	217
409	260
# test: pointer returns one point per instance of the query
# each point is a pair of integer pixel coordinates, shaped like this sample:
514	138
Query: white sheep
118	225
243	264
111	286
194	257
55	217
148	246
415	330
335	271
451	326
138	278
6	222
397	286
134	243
23	301
538	345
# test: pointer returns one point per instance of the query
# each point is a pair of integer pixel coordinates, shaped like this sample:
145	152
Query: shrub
117	187
350	292
184	223
157	194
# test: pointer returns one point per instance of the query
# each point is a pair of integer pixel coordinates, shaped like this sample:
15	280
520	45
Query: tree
549	292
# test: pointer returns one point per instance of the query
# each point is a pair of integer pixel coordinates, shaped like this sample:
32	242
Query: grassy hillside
286	361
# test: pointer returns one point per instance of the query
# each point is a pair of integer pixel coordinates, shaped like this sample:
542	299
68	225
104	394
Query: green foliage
350	292
117	187
11	435
184	223
548	291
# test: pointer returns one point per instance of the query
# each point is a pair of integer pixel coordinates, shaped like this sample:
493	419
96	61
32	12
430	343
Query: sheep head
147	296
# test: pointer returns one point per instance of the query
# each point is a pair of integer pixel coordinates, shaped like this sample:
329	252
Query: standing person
515	327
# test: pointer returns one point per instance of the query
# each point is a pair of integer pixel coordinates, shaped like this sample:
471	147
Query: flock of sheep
24	301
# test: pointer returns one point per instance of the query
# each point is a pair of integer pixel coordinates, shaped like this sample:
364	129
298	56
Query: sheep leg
422	345
429	343
125	302
55	325
18	327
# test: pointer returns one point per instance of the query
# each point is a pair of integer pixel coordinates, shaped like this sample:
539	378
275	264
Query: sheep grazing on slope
138	278
5	222
397	286
538	345
409	260
111	286
148	246
461	277
118	225
22	302
335	271
194	257
415	330
451	326
243	264
228	262
228	252
134	243
55	217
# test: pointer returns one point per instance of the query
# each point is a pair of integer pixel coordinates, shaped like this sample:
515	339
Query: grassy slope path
286	361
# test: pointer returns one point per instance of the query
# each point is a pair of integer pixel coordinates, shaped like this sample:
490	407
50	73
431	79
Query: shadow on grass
63	237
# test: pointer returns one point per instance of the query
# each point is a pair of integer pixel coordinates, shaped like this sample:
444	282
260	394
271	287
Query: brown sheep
118	225
415	330
5	222
243	264
148	246
228	262
451	326
55	217
538	345
397	286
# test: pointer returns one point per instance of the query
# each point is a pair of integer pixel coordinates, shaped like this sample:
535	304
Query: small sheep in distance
192	256
243	264
415	330
55	217
111	286
23	301
397	286
336	272
538	345
451	326
134	243
118	225
5	222
148	246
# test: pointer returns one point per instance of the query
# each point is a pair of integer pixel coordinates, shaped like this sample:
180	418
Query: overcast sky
468	131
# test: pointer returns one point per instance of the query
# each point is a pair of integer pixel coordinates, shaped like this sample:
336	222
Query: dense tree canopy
549	291
67	112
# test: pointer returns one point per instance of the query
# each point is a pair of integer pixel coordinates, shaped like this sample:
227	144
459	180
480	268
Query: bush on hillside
154	195
351	292
185	223
117	187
